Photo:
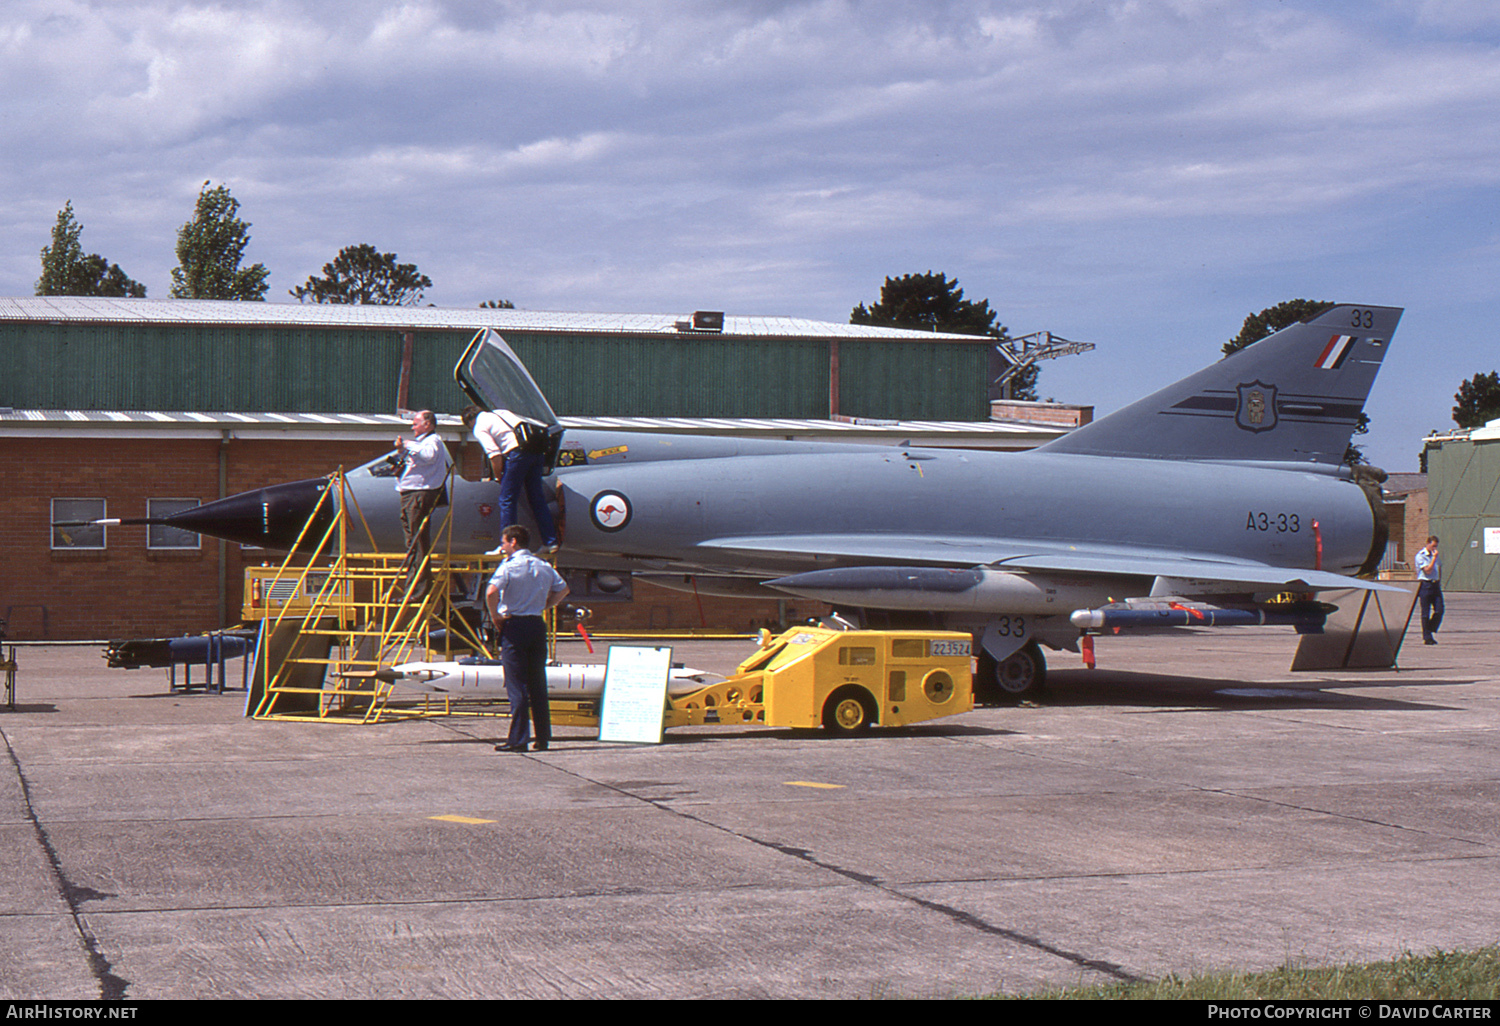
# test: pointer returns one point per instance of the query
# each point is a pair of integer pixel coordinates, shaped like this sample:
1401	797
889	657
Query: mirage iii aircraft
1220	500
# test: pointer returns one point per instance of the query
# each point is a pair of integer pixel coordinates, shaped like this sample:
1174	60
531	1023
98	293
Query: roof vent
706	320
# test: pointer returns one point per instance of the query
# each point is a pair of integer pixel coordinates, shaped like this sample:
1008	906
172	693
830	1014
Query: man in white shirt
420	488
514	469
494	436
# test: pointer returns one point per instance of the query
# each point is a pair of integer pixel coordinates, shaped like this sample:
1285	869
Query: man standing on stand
1430	589
522	589
420	488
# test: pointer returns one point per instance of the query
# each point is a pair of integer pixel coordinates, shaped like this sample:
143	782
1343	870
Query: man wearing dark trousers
1430	589
520	592
421	489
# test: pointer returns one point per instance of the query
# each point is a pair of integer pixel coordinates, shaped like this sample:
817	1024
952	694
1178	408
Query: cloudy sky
1138	174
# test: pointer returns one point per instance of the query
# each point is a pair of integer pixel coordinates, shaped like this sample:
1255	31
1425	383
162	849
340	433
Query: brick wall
127	590
1416	524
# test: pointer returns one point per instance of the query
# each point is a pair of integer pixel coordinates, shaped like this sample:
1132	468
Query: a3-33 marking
1280	522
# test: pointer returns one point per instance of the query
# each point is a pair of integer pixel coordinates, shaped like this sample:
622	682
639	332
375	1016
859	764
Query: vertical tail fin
1293	397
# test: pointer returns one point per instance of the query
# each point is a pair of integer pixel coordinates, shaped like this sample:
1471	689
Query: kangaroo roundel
610	511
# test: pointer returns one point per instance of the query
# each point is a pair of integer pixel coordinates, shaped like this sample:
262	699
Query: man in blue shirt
1430	589
521	591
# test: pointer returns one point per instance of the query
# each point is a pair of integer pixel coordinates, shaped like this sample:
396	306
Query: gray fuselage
763	515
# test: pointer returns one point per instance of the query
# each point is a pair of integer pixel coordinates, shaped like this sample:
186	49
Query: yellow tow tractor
844	680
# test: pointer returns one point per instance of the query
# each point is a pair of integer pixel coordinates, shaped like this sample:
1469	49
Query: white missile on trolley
482	678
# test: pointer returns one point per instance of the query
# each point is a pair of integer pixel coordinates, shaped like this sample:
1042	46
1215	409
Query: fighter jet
1208	502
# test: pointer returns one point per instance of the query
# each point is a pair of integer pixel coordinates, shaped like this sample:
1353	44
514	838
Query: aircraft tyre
1019	677
850	710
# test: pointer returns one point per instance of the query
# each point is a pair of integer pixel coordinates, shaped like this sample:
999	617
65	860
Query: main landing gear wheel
1018	677
849	710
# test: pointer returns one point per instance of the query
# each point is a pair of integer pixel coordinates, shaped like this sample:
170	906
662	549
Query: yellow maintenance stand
332	619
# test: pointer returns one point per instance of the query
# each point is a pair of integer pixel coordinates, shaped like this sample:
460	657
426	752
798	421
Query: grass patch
1440	975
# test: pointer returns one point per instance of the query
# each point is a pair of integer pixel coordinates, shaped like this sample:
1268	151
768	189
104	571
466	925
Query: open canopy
492	375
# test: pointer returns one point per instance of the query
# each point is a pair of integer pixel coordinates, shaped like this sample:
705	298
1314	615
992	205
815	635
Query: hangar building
1463	487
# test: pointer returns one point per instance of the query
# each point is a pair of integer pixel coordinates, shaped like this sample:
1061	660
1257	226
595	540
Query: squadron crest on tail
1257	406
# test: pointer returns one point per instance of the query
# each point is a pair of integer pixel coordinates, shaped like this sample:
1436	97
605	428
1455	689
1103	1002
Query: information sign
634	705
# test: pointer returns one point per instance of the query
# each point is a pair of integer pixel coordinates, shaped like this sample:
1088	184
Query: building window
66	512
161	536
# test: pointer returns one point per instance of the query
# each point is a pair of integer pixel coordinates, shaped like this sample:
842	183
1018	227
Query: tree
67	272
931	302
1271	320
928	302
497	304
1478	400
361	276
209	250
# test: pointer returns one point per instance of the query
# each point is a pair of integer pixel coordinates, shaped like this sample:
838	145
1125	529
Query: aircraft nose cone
270	517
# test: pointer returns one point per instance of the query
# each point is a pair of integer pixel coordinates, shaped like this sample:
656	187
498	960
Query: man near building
521	591
1430	589
420	488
